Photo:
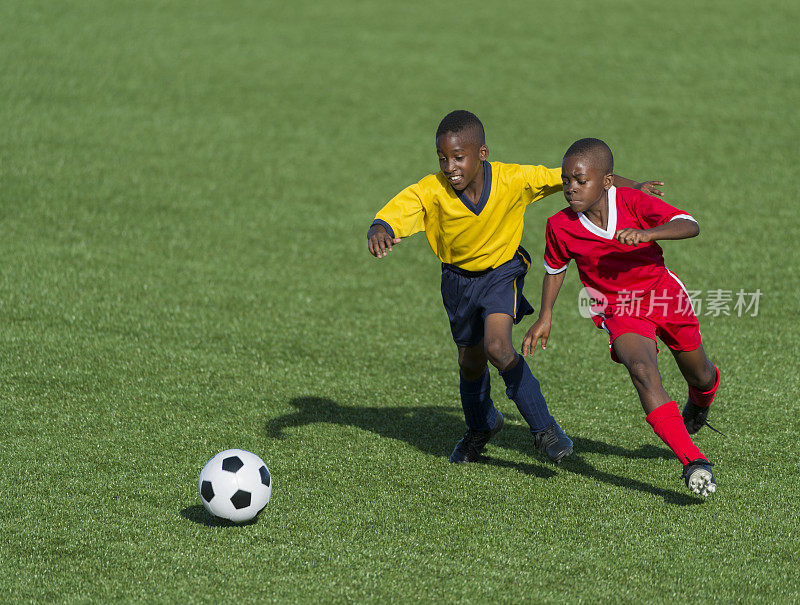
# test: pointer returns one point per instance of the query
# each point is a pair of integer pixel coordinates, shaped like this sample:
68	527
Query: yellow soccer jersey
471	236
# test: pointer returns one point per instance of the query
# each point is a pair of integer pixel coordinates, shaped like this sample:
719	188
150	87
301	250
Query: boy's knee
701	376
707	378
643	372
472	363
501	354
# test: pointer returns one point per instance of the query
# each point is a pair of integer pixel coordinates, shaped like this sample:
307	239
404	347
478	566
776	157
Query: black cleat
553	443
699	478
695	418
471	445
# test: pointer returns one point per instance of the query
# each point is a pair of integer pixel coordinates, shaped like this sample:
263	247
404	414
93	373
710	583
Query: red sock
667	423
703	399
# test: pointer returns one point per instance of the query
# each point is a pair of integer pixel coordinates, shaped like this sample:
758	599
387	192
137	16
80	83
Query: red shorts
665	311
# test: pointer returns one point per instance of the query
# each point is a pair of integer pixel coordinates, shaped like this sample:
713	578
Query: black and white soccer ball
235	485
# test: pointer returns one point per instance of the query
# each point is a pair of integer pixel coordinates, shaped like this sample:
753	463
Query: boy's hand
650	188
632	237
538	331
380	242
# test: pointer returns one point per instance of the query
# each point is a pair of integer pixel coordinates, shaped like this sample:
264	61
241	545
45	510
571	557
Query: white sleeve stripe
552	271
688	217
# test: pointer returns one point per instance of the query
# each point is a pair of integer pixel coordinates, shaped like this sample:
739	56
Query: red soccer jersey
617	271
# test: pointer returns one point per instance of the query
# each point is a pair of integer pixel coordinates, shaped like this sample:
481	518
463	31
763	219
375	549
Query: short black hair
596	150
462	120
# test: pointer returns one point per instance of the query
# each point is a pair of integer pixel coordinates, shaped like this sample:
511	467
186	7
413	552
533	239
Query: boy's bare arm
679	228
540	330
379	241
648	187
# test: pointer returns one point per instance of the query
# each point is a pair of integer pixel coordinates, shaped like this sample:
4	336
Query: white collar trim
611	229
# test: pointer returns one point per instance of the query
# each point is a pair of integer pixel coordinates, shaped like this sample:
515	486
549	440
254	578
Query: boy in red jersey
611	234
472	215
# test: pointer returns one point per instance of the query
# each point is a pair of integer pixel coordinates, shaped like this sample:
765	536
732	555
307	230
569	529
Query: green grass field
185	189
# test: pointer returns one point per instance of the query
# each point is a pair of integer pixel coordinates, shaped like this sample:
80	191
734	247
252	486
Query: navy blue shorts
470	296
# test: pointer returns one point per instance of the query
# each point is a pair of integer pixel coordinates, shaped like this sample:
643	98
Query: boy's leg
697	369
475	388
702	376
484	420
638	354
634	344
522	388
679	329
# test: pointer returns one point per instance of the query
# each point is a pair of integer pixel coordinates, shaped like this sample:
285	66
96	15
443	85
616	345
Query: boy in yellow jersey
472	214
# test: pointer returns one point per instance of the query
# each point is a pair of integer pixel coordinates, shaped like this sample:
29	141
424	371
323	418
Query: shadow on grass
434	431
198	514
576	464
592	446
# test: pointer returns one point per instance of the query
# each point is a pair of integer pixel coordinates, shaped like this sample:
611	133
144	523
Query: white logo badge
591	302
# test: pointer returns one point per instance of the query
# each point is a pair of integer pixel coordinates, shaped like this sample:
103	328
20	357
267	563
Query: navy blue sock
523	389
476	399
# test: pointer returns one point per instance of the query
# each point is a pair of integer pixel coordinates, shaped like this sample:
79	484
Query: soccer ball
235	485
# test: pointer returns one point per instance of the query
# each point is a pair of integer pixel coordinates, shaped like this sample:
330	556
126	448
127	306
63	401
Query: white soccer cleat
699	478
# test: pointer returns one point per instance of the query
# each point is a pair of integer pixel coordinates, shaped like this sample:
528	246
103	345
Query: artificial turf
184	193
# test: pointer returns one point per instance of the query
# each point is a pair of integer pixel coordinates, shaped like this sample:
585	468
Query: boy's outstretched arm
540	330
679	228
648	187
402	216
379	241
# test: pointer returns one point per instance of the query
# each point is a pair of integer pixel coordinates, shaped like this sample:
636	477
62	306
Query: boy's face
585	183
460	158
